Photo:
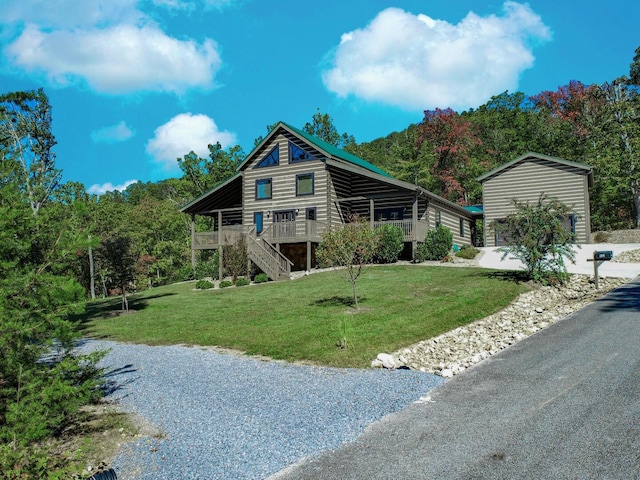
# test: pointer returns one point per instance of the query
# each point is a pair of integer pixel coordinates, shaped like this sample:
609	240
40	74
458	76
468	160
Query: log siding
283	185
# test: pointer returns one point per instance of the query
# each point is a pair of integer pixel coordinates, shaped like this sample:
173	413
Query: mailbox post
599	256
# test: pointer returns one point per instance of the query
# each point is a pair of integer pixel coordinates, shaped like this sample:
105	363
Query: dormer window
297	154
271	160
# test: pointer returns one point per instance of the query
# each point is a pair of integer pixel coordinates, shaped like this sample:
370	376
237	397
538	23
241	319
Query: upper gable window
271	160
297	154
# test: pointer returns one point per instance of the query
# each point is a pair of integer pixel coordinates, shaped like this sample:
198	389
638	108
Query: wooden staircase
268	258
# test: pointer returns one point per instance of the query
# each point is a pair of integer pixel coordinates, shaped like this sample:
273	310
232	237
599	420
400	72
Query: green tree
43	381
352	246
322	127
27	140
204	174
117	257
622	117
539	239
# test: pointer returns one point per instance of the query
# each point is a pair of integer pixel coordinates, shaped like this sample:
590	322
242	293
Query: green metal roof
337	152
474	208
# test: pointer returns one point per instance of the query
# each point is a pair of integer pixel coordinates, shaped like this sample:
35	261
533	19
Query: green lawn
301	320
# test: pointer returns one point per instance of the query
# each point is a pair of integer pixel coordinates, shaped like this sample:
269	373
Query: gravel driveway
225	416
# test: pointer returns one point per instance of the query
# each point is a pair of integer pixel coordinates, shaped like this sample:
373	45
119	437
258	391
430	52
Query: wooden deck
294	232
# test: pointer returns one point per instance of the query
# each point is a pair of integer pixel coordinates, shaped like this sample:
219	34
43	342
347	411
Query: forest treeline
138	236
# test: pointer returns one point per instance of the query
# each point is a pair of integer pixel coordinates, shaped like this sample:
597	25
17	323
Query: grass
302	320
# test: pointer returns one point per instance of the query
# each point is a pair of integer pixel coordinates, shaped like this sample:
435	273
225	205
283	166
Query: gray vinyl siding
283	185
451	220
526	181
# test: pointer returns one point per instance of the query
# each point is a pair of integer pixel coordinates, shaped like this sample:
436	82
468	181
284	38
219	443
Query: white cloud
120	132
109	187
184	133
117	60
190	5
108	45
417	62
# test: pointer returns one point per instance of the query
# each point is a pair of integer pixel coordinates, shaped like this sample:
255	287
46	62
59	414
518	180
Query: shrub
261	278
226	283
185	273
538	238
391	241
203	284
601	237
436	246
236	259
467	252
208	268
242	282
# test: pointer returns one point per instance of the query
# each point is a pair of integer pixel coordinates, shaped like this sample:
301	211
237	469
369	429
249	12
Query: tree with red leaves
452	138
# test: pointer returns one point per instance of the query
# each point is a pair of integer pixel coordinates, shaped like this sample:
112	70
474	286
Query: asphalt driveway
564	403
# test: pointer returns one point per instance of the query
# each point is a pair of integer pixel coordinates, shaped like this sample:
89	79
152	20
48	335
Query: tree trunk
92	274
125	302
355	294
635	189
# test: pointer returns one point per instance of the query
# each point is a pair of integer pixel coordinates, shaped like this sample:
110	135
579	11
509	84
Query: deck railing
410	232
270	260
210	240
296	231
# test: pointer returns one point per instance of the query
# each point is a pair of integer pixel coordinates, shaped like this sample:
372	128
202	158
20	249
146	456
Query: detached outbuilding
525	179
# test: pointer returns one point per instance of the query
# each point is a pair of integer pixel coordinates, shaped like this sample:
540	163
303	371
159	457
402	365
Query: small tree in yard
539	239
352	246
117	256
236	259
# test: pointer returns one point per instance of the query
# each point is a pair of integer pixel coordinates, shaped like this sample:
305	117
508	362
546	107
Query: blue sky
135	84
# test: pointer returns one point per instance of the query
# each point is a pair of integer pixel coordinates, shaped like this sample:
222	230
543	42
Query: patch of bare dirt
101	433
617	236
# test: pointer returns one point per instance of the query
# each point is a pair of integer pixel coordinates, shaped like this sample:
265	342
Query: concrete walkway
493	259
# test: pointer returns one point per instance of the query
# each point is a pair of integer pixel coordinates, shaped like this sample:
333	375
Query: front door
258	221
284	224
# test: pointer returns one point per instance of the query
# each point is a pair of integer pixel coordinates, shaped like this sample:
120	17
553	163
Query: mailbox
602	255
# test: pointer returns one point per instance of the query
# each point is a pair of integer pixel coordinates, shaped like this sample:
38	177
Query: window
311	213
438	218
304	184
263	189
570	223
297	154
501	237
271	160
462	227
382	214
258	220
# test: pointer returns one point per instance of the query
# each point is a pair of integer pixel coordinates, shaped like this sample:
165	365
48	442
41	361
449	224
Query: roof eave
186	208
541	156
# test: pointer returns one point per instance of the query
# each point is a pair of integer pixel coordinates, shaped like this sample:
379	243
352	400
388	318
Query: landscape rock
453	352
388	361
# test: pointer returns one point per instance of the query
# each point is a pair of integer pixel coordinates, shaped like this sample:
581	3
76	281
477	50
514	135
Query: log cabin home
293	186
